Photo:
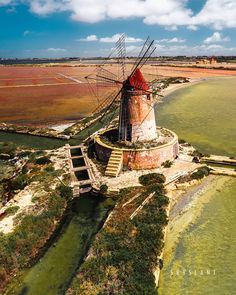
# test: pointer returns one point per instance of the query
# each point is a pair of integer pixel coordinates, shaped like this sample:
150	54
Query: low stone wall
145	158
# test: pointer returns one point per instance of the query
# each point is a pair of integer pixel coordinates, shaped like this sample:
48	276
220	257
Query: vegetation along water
188	112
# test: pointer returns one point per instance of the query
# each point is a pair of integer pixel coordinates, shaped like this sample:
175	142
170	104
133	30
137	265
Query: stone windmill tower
135	142
137	118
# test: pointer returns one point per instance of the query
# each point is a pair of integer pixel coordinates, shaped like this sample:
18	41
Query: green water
52	274
204	115
206	249
43	143
200	251
30	141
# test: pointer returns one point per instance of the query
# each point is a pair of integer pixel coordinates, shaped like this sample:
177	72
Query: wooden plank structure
84	184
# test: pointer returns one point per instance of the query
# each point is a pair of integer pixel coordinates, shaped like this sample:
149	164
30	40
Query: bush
198	154
181	141
24	154
43	160
49	169
162	200
152	178
103	188
20	182
24	169
200	173
65	191
157	188
167	164
12	210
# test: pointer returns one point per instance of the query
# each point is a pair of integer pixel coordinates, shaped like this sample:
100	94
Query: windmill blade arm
140	53
102	78
148	52
107	101
145	60
111	103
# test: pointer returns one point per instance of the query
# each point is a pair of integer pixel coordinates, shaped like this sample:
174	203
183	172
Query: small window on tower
148	97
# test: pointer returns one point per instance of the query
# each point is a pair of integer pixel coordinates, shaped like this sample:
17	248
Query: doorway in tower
129	132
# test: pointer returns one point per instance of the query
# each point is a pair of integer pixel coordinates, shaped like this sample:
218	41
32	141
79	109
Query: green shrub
103	188
167	164
152	178
181	141
198	154
43	160
24	169
200	173
12	210
65	191
157	188
24	154
162	200
20	182
39	153
49	168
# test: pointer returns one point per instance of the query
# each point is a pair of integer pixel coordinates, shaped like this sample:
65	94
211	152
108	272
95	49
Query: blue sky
86	28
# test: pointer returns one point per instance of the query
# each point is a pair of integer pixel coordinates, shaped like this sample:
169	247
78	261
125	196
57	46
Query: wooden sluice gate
82	175
220	160
220	165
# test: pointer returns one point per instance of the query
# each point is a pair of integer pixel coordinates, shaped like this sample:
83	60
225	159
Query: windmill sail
136	117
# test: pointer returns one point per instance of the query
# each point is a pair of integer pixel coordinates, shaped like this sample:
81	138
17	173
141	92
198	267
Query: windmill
137	143
133	95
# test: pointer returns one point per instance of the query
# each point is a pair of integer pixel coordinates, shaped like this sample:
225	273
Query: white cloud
116	37
172	40
5	2
27	32
216	37
218	14
204	49
56	49
89	38
171	28
111	39
176	40
192	27
133	50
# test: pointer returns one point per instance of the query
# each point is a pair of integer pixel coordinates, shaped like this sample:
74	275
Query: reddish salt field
42	95
50	94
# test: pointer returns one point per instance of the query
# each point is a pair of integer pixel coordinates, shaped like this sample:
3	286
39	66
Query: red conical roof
137	81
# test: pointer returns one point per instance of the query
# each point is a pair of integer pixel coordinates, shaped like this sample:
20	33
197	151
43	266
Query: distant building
211	60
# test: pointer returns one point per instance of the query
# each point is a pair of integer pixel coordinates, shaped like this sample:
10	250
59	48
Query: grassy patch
124	254
12	210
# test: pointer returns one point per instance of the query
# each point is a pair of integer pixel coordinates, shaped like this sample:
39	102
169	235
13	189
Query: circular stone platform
141	156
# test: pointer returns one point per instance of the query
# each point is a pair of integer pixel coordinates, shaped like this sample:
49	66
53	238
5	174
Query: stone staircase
115	163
